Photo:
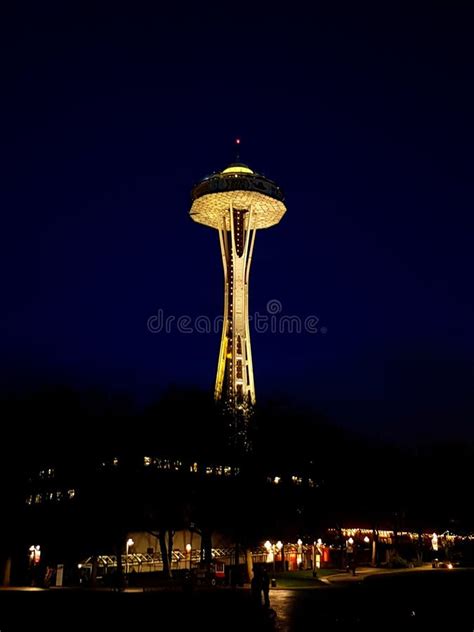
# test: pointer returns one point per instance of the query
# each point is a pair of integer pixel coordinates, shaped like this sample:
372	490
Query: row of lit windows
165	464
177	466
295	479
52	496
222	470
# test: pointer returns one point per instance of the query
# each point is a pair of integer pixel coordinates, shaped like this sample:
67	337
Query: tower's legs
235	388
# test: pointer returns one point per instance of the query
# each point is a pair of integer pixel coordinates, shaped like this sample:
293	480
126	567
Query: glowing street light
299	555
35	554
272	550
188	552
317	553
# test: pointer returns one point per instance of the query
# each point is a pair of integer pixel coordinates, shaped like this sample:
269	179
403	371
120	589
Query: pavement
361	573
302	580
299	580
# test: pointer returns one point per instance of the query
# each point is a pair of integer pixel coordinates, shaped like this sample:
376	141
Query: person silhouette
265	587
256	586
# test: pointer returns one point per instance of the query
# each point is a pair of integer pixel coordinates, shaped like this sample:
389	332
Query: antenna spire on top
237	149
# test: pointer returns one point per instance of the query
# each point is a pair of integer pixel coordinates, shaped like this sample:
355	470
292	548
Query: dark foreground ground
413	601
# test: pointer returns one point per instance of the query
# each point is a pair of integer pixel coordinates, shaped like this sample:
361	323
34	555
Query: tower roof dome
237	167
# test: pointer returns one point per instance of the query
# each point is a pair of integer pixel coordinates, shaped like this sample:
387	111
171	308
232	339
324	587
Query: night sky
364	119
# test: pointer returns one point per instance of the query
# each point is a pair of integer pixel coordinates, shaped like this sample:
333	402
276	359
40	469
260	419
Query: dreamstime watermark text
272	321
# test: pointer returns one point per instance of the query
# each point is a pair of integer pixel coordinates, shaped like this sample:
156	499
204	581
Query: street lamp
188	551
279	547
34	559
32	555
317	548
299	555
35	554
270	556
272	551
351	555
130	543
367	548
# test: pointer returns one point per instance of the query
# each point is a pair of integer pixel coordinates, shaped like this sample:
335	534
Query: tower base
238	424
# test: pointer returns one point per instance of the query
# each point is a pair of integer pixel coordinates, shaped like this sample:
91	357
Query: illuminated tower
237	201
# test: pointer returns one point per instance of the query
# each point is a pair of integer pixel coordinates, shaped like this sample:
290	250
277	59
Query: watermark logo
273	321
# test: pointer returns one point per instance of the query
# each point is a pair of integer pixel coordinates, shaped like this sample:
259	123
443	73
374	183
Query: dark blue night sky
366	122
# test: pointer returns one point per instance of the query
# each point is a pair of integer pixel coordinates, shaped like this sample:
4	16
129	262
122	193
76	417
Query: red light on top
237	141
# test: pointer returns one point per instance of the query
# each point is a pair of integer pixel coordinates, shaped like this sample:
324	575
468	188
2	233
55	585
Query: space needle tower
236	202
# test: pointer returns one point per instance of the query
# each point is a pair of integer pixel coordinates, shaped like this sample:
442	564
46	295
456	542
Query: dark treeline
357	479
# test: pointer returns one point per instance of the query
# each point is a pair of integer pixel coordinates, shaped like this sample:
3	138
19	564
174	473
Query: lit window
38	499
310	482
71	493
193	467
147	460
297	480
219	470
209	469
59	495
227	470
115	461
276	480
29	500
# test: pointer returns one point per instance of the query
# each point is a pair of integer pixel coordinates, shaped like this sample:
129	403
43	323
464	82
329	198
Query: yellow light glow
237	169
211	208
